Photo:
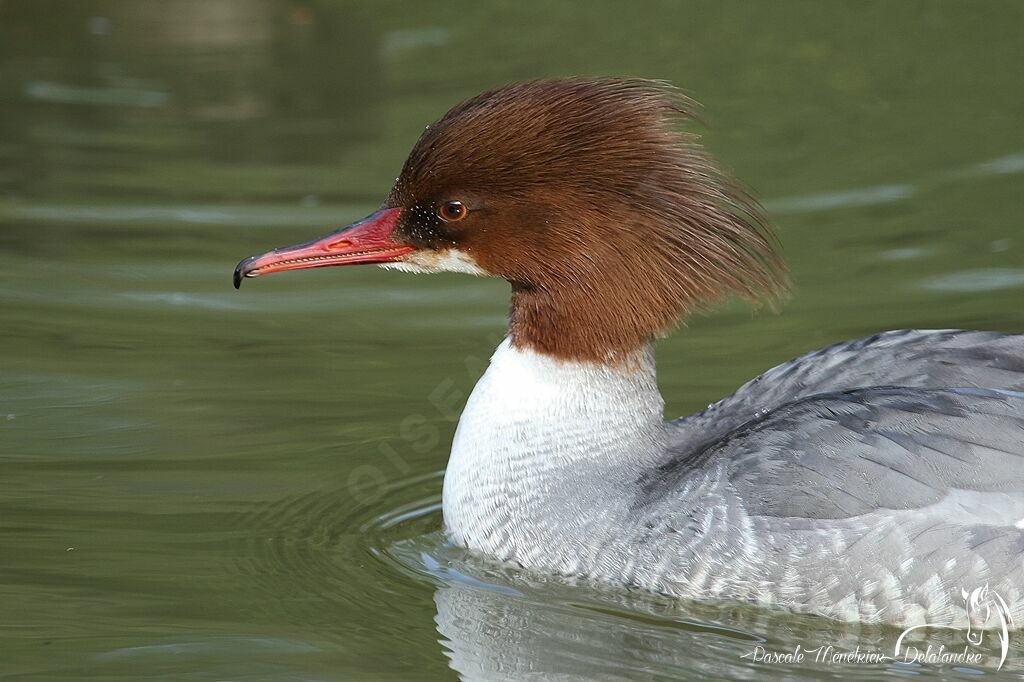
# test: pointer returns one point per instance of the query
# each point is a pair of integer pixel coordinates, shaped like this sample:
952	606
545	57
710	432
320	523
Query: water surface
203	484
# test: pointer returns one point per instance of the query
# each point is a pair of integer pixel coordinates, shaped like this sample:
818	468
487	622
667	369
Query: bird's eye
452	211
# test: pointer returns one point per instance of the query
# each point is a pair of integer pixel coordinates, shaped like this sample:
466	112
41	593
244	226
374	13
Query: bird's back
870	481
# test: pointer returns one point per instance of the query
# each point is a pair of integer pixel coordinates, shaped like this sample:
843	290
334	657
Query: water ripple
973	281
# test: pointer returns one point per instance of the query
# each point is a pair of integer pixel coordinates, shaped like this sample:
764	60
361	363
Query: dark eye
452	211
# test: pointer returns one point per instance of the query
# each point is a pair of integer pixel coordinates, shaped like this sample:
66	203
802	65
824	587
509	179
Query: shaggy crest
609	222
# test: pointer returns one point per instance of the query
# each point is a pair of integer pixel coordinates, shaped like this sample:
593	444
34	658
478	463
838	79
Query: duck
877	480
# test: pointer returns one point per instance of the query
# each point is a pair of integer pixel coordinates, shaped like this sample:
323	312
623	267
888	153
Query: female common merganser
869	481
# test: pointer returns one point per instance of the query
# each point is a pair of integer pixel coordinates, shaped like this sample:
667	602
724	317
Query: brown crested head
608	222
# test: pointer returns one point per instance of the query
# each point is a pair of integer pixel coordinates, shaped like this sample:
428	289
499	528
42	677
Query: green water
198	483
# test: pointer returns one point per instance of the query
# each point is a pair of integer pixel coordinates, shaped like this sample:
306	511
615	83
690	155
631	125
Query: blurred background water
199	483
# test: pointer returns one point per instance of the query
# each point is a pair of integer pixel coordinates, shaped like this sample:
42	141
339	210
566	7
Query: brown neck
570	325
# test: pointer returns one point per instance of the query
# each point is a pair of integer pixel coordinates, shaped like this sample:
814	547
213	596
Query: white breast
541	445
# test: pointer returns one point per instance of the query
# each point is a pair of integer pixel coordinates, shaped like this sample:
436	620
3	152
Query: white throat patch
426	261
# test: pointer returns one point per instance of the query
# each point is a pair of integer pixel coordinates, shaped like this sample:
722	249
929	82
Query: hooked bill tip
240	272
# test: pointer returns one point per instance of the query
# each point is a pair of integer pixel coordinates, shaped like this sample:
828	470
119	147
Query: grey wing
848	453
910	358
883	499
